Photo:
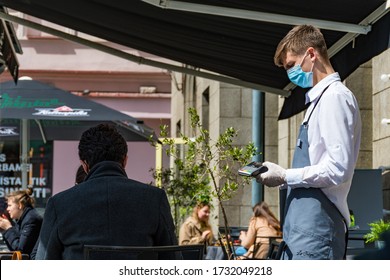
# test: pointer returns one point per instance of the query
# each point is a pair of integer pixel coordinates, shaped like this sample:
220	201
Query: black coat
106	209
23	235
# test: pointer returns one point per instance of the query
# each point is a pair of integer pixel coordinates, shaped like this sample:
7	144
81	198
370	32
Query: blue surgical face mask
299	77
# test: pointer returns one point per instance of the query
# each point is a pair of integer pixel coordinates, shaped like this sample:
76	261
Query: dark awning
236	47
56	114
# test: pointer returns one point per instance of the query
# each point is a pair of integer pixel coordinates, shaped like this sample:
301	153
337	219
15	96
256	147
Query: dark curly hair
101	143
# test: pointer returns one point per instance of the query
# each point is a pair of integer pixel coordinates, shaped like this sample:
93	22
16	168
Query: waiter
316	212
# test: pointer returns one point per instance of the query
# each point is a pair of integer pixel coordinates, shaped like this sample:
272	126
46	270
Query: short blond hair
298	40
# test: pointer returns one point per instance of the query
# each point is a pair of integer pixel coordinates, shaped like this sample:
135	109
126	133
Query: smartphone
252	170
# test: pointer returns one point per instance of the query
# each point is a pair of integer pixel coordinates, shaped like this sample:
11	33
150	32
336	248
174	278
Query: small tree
207	170
184	186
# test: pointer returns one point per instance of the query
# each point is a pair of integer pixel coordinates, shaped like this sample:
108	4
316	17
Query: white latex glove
275	176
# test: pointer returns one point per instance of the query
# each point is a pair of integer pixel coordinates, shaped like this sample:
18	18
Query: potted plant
375	235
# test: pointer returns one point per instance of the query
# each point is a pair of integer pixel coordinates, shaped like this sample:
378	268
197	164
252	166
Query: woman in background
22	232
262	225
196	229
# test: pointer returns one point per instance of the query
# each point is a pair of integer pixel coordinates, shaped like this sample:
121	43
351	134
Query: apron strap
315	105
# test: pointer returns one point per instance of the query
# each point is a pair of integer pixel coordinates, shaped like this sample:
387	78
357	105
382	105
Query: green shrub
377	228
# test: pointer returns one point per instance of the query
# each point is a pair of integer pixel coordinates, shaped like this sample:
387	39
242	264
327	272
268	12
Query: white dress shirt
334	140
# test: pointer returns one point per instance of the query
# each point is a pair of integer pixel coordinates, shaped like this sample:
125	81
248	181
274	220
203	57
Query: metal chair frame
146	252
273	250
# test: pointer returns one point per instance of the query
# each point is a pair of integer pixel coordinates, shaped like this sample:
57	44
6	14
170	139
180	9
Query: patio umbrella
34	110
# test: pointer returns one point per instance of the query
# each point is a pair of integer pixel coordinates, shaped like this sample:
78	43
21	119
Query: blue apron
313	226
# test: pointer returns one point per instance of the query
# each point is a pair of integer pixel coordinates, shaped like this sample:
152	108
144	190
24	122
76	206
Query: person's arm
190	234
339	129
209	237
249	238
165	234
24	239
184	235
338	119
187	237
49	245
34	251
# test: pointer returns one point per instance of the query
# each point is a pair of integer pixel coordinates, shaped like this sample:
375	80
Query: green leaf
377	228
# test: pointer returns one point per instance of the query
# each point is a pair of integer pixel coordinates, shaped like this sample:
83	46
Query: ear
124	163
85	166
312	53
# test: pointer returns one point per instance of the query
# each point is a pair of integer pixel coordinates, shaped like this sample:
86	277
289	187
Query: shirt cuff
294	176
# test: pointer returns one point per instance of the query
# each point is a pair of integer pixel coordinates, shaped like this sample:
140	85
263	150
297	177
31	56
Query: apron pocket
307	245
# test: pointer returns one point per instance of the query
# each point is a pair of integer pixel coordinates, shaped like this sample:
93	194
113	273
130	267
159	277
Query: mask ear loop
311	70
312	66
306	54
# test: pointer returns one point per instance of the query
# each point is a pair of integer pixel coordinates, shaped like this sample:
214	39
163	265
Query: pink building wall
65	163
142	155
77	68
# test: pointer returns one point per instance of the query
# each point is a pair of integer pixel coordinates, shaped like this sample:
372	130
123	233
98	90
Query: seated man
107	208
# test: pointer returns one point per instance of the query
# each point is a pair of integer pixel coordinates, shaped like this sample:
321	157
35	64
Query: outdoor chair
177	252
273	250
227	249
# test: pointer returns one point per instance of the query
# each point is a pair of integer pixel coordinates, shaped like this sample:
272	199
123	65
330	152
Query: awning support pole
258	115
24	152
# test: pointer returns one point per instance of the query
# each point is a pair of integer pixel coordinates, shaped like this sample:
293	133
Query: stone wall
381	132
360	83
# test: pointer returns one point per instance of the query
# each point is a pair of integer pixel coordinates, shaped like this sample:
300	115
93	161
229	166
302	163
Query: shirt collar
315	92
